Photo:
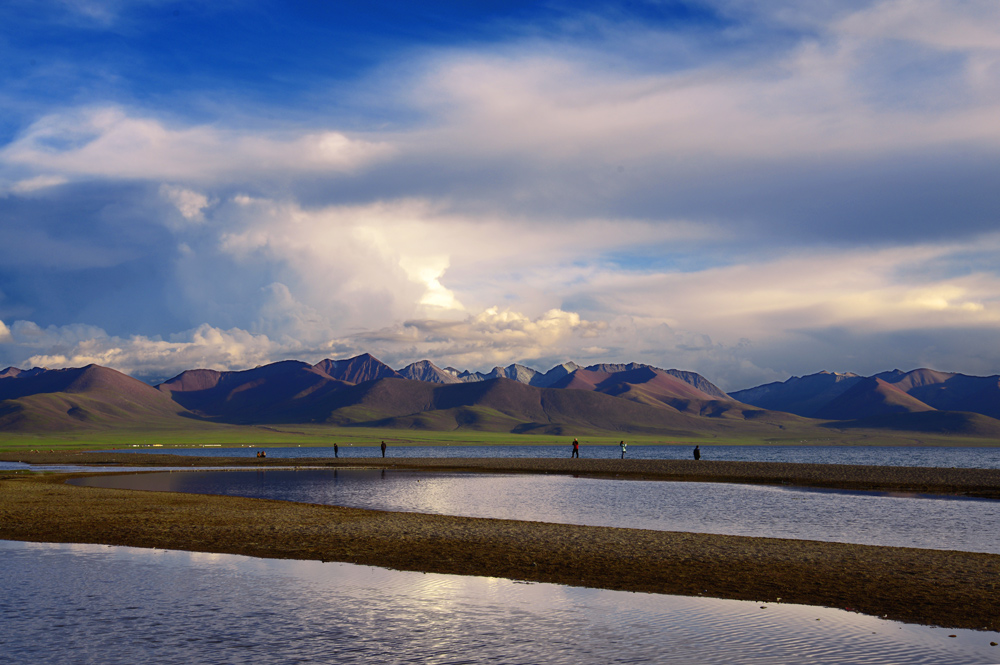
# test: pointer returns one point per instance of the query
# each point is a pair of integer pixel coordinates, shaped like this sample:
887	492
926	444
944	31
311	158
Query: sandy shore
953	589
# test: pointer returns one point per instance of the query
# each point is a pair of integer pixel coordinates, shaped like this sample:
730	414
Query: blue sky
747	189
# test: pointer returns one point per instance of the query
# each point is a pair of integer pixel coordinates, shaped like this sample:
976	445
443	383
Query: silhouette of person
697	453
383	449
623	445
336	450
576	449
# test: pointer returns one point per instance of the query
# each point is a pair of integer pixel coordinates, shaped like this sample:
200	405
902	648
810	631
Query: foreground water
945	457
110	605
867	518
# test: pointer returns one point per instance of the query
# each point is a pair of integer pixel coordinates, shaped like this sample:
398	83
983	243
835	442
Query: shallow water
110	605
867	518
982	458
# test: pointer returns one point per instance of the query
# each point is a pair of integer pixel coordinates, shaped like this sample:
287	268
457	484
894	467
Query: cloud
873	290
971	25
189	203
813	99
491	336
37	183
372	264
109	142
494	336
146	357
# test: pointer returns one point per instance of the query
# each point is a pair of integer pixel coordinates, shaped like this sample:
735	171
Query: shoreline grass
236	436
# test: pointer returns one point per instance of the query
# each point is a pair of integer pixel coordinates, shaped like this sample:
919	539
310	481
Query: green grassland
201	434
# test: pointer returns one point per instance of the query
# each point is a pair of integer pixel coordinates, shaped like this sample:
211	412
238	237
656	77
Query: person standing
576	449
697	453
383	449
336	450
623	445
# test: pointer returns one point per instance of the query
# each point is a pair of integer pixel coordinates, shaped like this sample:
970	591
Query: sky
747	189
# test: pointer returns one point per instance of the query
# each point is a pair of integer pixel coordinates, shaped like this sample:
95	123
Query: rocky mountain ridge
828	395
608	397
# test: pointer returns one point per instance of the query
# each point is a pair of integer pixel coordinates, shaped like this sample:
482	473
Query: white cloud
493	337
947	25
865	290
37	183
371	265
813	100
189	203
109	142
77	346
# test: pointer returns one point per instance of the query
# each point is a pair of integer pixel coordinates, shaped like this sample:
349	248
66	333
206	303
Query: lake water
981	458
117	605
867	518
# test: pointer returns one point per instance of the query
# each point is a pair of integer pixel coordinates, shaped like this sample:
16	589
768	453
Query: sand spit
953	589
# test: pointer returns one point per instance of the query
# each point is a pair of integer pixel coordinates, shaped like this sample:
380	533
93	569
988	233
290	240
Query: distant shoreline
953	589
978	483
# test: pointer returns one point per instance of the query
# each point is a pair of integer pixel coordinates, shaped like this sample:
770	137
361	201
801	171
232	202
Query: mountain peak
425	370
358	369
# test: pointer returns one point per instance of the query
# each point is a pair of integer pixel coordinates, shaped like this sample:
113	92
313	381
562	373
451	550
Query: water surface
110	605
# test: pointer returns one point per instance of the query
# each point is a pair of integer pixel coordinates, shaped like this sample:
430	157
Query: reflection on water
109	605
744	510
979	458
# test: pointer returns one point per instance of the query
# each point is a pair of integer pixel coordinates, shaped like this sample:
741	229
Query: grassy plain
200	434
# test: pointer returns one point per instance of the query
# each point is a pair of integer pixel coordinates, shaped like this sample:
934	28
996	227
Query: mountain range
567	399
919	400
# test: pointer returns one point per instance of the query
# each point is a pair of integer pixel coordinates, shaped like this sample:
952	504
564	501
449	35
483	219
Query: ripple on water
95	604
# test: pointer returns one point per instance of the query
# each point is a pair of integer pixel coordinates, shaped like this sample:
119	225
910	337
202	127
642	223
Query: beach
946	588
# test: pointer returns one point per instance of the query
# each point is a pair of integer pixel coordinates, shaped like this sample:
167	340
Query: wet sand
952	589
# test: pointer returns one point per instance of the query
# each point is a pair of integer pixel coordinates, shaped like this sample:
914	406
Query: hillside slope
94	397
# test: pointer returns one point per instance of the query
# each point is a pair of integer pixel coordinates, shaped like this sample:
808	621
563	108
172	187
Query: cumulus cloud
494	336
29	345
374	264
189	203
